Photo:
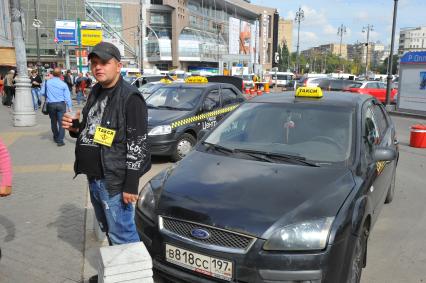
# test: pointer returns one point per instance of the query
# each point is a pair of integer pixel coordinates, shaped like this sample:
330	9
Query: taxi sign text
104	136
309	92
196	80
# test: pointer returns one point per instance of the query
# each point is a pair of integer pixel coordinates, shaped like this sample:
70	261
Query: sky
323	17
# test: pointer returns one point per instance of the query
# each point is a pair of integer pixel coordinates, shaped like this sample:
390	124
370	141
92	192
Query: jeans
56	112
35	91
79	97
115	217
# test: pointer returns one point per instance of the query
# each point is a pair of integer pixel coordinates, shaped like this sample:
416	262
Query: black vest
114	117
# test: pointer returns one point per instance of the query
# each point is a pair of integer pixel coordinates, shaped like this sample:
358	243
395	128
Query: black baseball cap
105	51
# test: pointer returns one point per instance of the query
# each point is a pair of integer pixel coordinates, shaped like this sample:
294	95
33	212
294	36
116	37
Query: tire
183	146
391	190
359	256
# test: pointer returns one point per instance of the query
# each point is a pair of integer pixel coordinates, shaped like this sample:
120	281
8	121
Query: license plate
207	265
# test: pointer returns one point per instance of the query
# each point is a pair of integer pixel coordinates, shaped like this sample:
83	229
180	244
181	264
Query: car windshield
147	88
179	98
318	134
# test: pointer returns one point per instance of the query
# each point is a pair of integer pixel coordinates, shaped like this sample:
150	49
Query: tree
384	67
283	63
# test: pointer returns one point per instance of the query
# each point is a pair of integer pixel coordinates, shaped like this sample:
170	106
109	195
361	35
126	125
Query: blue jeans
35	91
56	112
79	97
115	217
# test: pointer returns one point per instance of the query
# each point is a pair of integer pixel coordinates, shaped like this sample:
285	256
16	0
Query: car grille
218	237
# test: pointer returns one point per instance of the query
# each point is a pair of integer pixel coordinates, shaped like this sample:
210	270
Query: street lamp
341	31
300	16
390	60
367	29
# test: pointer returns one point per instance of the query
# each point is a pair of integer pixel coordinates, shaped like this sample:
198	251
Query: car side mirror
202	133
384	154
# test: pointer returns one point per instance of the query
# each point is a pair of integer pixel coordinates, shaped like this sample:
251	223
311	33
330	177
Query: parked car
284	189
335	84
310	81
373	88
281	79
177	112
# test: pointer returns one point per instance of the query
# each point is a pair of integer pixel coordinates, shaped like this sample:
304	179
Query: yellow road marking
43	168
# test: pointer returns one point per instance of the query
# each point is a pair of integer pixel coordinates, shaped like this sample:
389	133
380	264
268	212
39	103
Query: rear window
355	85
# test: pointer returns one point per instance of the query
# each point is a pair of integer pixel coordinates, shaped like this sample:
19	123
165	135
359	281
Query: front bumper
256	265
163	145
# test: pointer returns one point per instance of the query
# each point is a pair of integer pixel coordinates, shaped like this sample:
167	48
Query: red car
373	88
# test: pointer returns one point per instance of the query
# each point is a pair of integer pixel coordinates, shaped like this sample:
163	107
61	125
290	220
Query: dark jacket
114	117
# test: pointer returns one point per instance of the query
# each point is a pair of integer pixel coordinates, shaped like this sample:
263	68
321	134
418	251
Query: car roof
343	99
195	85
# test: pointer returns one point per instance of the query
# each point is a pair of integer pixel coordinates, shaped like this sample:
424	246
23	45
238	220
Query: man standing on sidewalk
111	146
58	98
35	88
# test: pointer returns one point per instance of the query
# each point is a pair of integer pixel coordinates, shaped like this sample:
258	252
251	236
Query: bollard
259	92
266	87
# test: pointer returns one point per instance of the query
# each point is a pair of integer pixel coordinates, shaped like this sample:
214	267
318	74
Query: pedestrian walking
80	86
9	86
68	80
36	83
111	148
58	99
5	172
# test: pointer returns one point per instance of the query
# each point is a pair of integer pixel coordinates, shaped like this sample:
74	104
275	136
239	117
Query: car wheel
183	146
391	190
359	256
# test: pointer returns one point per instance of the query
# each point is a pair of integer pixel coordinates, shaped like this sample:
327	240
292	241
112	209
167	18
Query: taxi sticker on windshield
104	136
309	92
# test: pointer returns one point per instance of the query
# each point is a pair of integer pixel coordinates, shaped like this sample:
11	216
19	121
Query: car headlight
160	130
146	201
309	235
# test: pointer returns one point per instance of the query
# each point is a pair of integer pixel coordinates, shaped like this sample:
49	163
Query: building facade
412	39
7	51
331	49
47	12
377	53
285	33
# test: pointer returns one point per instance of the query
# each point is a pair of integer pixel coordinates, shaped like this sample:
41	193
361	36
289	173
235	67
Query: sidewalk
42	224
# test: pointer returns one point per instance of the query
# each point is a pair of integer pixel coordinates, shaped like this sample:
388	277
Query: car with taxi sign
286	188
177	112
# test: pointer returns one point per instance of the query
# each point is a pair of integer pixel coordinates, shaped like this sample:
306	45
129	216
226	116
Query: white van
282	78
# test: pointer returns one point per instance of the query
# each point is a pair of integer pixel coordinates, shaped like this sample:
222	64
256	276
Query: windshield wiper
218	147
169	107
270	156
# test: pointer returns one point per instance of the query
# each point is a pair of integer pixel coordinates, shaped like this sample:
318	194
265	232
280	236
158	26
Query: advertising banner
245	36
234	35
91	33
83	55
66	32
90	37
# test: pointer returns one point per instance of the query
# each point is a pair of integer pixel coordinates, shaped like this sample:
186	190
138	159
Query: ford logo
200	233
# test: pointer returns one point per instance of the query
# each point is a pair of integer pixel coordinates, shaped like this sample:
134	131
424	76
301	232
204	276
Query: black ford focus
285	189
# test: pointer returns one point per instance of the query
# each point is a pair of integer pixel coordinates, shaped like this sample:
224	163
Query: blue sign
66	32
414	58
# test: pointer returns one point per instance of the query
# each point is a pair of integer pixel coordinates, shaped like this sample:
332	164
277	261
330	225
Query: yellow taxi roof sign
315	92
196	80
165	81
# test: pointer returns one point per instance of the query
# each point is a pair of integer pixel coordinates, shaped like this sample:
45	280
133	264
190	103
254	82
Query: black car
285	189
177	112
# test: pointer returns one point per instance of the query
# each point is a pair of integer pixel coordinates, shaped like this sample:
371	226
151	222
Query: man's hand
129	198
67	121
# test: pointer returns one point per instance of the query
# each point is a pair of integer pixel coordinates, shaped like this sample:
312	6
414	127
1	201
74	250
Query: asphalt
47	230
